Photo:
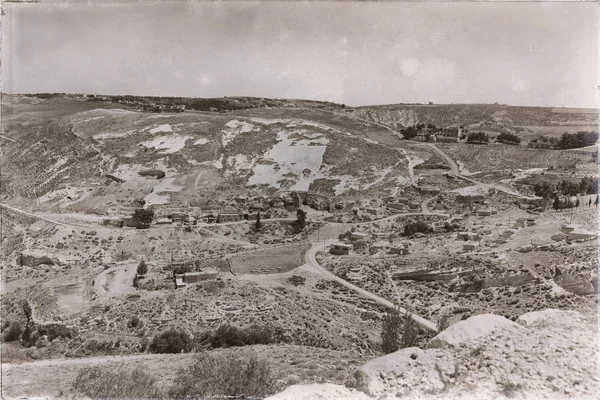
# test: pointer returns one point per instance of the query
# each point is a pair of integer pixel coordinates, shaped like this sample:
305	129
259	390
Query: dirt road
312	261
10	208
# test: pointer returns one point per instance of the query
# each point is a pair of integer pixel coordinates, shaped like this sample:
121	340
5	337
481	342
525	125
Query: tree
543	189
300	218
556	204
390	331
142	268
590	202
258	224
508	138
478	137
577	203
409	132
145	216
597	201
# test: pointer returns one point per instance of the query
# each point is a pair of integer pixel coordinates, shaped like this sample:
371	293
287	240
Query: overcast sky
354	53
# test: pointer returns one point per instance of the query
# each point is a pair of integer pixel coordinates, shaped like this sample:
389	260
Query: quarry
295	232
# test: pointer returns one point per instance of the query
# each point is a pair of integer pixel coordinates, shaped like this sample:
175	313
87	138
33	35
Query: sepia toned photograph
299	200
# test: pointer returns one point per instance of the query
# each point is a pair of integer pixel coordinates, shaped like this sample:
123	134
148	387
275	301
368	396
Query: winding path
310	258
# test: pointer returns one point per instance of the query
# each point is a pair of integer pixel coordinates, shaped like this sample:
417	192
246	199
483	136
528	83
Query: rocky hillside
545	354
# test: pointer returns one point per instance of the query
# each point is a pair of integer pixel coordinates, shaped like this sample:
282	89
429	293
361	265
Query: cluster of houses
448	134
344	248
187	278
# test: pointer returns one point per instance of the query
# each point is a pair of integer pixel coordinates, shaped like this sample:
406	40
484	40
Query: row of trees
478	137
566	203
566	141
587	185
577	140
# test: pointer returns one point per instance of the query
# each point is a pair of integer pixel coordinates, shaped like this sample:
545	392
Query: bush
508	138
116	383
416	227
12	332
230	336
171	341
410	332
296	280
443	322
221	375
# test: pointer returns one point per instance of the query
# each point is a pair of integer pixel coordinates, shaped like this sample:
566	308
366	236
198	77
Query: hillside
487	117
65	148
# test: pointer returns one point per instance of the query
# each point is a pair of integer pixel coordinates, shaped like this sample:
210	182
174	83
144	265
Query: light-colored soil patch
281	259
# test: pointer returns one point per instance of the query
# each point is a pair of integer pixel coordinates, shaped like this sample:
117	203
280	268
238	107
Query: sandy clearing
164	128
112	135
160	193
170	144
201	141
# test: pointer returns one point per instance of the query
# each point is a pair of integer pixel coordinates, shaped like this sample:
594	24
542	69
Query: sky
538	54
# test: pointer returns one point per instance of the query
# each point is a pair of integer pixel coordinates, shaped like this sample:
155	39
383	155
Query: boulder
578	284
465	333
549	318
114	178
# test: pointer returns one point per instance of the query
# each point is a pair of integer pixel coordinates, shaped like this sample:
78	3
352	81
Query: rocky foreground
547	354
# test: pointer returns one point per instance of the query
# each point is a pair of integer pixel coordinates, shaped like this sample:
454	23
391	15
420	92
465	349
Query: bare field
272	261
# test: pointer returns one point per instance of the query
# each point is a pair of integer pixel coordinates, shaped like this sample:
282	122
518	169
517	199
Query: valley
301	224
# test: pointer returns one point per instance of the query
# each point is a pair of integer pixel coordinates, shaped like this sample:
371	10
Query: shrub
221	375
390	332
122	256
443	322
171	341
296	280
231	336
410	332
104	382
134	322
13	332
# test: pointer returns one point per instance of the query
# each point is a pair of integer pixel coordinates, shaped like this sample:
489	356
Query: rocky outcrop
157	173
430	275
578	284
114	178
480	284
33	260
543	354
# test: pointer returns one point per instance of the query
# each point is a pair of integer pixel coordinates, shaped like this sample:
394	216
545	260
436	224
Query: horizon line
2	93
